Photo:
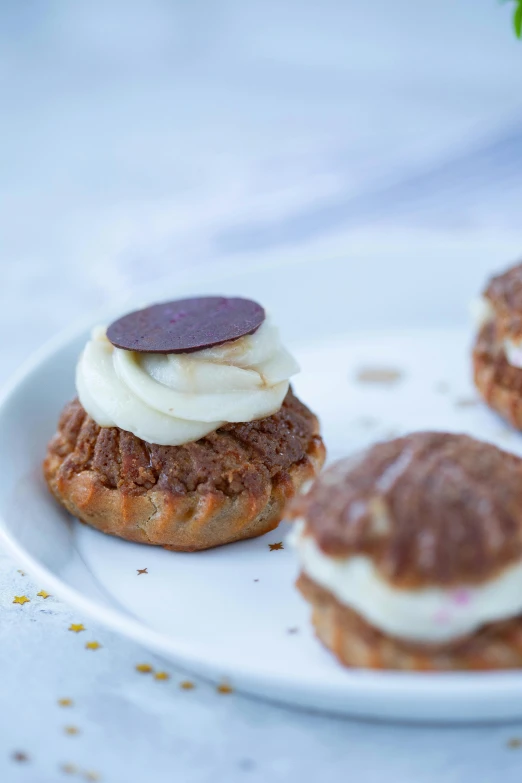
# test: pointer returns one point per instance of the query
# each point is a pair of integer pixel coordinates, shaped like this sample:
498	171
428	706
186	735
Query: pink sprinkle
178	317
442	617
461	597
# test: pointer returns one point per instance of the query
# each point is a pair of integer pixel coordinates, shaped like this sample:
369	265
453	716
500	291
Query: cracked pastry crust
499	383
430	509
357	643
504	294
231	485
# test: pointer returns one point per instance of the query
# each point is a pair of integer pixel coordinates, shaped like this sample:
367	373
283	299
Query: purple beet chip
186	325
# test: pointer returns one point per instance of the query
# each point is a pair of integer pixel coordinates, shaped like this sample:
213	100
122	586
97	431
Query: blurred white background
144	139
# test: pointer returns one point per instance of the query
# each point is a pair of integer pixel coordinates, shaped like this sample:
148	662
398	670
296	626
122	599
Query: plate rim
436	686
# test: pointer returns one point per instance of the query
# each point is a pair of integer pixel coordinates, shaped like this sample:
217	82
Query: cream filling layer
482	312
513	351
429	615
172	399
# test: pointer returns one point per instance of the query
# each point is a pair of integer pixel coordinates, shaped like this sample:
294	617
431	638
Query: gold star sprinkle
382	376
187	685
21	599
273	547
76	627
465	402
69	769
367	422
92	645
162	676
225	688
71	730
20	756
514	743
144	668
90	775
43	594
65	702
142	571
22	573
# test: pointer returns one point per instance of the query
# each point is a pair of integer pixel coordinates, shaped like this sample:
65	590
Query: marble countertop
148	139
132	727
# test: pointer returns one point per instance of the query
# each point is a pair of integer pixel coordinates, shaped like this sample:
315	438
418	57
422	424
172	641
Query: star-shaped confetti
274	547
90	775
224	687
368	422
92	645
65	702
21	599
187	685
144	668
22	573
69	769
466	402
20	756
71	730
514	743
142	571
43	594
76	627
162	676
384	376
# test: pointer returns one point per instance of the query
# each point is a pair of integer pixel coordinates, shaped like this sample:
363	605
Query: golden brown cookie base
499	383
233	484
356	643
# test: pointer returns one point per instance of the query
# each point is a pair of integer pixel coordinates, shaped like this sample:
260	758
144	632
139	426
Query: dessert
497	355
186	433
411	555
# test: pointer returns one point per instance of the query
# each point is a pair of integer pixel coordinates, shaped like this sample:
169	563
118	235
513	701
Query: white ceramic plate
233	613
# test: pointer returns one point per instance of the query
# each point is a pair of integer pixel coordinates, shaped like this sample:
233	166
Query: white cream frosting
481	311
513	351
171	399
430	615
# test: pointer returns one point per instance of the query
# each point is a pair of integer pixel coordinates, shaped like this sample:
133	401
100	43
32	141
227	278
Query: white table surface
152	138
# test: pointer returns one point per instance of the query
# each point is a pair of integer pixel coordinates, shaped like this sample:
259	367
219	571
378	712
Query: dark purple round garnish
186	325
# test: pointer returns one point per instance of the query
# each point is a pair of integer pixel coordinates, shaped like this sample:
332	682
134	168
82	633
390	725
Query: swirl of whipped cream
171	399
